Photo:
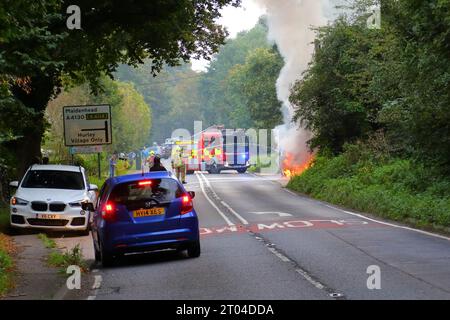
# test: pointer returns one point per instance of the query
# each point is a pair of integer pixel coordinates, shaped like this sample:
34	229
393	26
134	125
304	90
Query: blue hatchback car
141	213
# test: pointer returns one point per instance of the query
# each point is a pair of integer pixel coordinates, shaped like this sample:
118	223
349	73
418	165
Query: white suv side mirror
93	187
14	184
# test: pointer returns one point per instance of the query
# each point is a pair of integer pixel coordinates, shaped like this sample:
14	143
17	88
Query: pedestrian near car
157	166
112	165
179	163
151	159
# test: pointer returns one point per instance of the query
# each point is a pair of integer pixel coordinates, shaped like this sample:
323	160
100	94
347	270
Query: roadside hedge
399	189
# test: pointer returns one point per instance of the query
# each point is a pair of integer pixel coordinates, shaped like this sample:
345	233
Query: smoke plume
290	23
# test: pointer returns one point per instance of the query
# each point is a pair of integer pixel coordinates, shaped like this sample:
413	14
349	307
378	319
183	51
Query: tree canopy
237	89
131	117
395	79
39	54
252	88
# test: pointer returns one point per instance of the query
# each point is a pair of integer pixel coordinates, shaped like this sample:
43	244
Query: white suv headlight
18	201
77	204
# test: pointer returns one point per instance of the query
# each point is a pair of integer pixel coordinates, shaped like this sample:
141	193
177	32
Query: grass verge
7	252
4	219
263	162
48	243
64	259
397	189
121	169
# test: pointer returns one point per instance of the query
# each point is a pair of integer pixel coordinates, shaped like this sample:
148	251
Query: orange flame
291	169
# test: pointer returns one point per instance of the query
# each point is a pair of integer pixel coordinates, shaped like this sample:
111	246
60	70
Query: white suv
51	197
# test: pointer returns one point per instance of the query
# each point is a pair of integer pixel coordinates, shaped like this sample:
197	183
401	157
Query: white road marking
389	224
206	180
305	275
224	203
300	271
97	282
234	212
199	177
279	255
265	179
290	192
360	215
281	214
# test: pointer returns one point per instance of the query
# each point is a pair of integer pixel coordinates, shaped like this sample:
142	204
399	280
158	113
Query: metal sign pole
99	166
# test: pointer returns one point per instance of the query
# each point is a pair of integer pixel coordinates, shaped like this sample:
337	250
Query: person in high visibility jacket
179	161
151	159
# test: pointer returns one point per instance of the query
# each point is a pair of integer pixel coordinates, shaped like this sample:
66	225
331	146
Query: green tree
132	120
334	98
173	96
395	79
253	88
418	113
179	96
38	49
53	141
131	117
218	106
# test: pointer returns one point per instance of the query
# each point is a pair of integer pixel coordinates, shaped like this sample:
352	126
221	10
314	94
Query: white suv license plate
47	216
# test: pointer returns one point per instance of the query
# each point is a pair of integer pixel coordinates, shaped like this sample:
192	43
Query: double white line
202	179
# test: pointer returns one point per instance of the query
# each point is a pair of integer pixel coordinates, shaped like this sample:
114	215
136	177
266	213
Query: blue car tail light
108	212
186	204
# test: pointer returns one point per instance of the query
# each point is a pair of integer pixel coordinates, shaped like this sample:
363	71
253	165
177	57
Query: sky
235	20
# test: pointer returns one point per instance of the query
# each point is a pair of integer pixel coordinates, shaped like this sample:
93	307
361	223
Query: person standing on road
157	166
178	163
151	159
112	165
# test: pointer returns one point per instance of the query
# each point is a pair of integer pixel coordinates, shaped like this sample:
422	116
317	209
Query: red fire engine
217	149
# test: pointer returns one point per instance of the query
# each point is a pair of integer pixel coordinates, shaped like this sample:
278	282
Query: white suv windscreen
53	179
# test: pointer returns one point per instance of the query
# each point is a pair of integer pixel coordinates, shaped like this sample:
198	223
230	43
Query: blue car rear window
162	190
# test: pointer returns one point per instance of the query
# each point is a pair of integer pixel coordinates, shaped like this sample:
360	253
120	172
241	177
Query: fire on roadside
291	167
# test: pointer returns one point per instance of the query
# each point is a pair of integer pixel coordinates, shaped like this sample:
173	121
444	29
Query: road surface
261	241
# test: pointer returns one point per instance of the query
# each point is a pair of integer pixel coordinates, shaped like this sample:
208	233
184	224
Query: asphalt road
261	241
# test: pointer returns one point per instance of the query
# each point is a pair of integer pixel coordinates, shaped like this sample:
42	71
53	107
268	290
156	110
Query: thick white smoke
290	27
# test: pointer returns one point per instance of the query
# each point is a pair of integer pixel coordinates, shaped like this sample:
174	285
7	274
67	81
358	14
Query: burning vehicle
292	166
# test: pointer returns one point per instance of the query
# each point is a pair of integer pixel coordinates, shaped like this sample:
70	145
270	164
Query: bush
6	264
4	219
7	250
399	189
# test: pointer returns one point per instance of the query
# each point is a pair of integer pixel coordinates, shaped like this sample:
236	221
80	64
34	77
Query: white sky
235	20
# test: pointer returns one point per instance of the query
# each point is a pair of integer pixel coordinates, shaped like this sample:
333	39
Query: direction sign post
87	125
99	166
87	128
85	150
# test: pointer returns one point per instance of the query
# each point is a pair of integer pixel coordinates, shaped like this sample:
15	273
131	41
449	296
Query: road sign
87	125
86	150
